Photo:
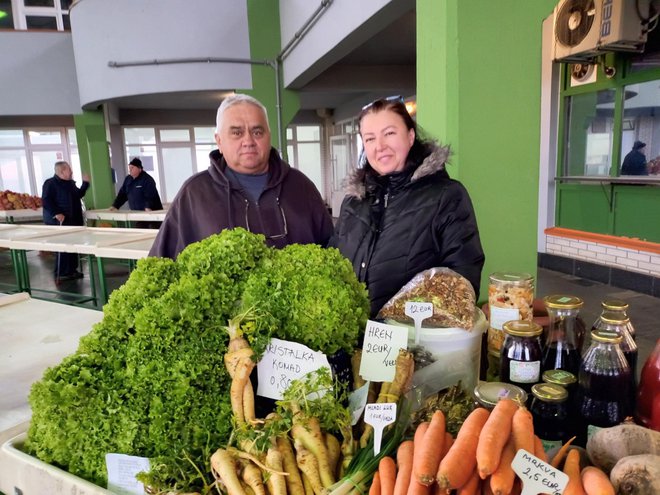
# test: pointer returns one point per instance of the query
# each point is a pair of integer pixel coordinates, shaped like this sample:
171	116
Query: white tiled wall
604	254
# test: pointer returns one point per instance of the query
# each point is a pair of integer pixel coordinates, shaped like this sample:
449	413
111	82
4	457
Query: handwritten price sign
418	311
379	416
380	349
538	476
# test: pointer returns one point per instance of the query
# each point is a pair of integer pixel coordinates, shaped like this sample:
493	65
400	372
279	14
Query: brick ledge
612	240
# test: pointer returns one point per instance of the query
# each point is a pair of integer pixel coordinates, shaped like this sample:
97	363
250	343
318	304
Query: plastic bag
451	294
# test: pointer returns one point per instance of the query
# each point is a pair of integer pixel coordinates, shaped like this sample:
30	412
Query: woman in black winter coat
402	213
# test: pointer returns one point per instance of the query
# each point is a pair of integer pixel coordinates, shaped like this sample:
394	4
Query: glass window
177	167
175	135
204	134
308	133
290	156
45	137
73	138
11	137
139	135
641	125
14	171
43	163
149	157
65	4
202	155
309	163
39	3
589	124
6	15
41	22
66	22
289	133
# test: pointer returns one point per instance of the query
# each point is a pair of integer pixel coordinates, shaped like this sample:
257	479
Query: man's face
134	171
65	173
244	139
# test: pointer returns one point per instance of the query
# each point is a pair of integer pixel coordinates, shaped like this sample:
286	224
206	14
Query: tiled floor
644	309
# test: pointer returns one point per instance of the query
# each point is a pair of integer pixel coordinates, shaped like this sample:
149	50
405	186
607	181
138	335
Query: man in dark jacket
635	162
247	185
61	206
139	188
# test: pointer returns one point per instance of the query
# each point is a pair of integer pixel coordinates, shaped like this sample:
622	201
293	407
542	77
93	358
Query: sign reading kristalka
380	349
283	362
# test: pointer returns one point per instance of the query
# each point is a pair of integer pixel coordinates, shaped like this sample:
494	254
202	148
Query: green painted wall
94	158
264	26
479	90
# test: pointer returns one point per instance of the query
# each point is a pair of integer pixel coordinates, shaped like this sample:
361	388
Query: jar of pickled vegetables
510	297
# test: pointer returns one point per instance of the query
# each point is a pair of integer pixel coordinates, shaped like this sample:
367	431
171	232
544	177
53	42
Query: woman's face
386	141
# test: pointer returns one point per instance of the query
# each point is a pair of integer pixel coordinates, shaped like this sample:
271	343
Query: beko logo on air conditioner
606	24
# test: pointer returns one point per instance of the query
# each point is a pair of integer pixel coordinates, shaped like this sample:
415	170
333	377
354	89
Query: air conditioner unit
584	29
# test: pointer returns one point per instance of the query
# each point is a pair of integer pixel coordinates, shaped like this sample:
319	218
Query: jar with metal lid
510	297
617	306
566	330
568	381
551	413
603	381
520	360
487	394
616	321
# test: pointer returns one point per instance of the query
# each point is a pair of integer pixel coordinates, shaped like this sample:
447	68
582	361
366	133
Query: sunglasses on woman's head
389	99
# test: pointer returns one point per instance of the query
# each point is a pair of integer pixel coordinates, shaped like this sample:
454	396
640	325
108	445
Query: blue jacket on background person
139	188
61	196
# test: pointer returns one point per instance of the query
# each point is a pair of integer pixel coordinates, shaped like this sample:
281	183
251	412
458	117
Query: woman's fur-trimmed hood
354	184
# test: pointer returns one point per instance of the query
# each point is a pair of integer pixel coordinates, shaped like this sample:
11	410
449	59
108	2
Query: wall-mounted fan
582	73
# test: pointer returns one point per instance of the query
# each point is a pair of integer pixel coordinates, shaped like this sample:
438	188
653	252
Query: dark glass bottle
617	306
550	410
616	321
568	381
603	384
520	359
565	334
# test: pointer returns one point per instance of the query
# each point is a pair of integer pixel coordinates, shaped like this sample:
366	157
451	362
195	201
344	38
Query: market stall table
25	215
80	240
127	217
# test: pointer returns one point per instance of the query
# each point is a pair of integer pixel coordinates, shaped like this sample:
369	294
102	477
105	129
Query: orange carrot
459	463
501	481
572	470
561	453
472	487
449	441
522	430
418	439
416	488
404	461
494	435
430	450
375	485
387	472
596	482
539	451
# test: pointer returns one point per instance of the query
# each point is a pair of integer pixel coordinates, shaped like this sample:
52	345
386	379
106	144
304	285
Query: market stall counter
127	218
21	216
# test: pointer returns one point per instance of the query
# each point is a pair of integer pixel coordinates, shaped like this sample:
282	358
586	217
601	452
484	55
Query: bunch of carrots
589	480
476	462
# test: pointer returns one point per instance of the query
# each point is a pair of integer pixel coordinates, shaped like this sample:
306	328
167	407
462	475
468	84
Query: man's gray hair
61	165
232	100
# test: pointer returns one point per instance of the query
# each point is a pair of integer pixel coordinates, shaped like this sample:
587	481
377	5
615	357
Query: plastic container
23	474
457	354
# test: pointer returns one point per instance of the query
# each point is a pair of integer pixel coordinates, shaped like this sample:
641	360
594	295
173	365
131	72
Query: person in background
402	213
139	188
635	161
247	185
62	206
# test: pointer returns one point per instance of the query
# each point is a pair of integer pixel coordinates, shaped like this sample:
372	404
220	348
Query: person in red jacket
247	185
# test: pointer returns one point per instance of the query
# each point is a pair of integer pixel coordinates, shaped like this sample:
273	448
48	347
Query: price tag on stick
418	311
379	416
538	476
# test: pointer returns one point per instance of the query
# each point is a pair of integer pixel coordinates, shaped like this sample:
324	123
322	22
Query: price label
418	311
380	349
538	476
121	473
379	416
283	362
356	402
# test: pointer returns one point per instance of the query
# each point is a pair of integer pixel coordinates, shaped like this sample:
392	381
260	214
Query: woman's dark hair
421	146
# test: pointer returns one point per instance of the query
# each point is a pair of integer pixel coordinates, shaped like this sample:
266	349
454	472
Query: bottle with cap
520	359
617	306
551	414
616	321
562	345
603	382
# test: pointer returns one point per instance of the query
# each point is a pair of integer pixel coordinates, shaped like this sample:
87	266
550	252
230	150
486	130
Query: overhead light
411	107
